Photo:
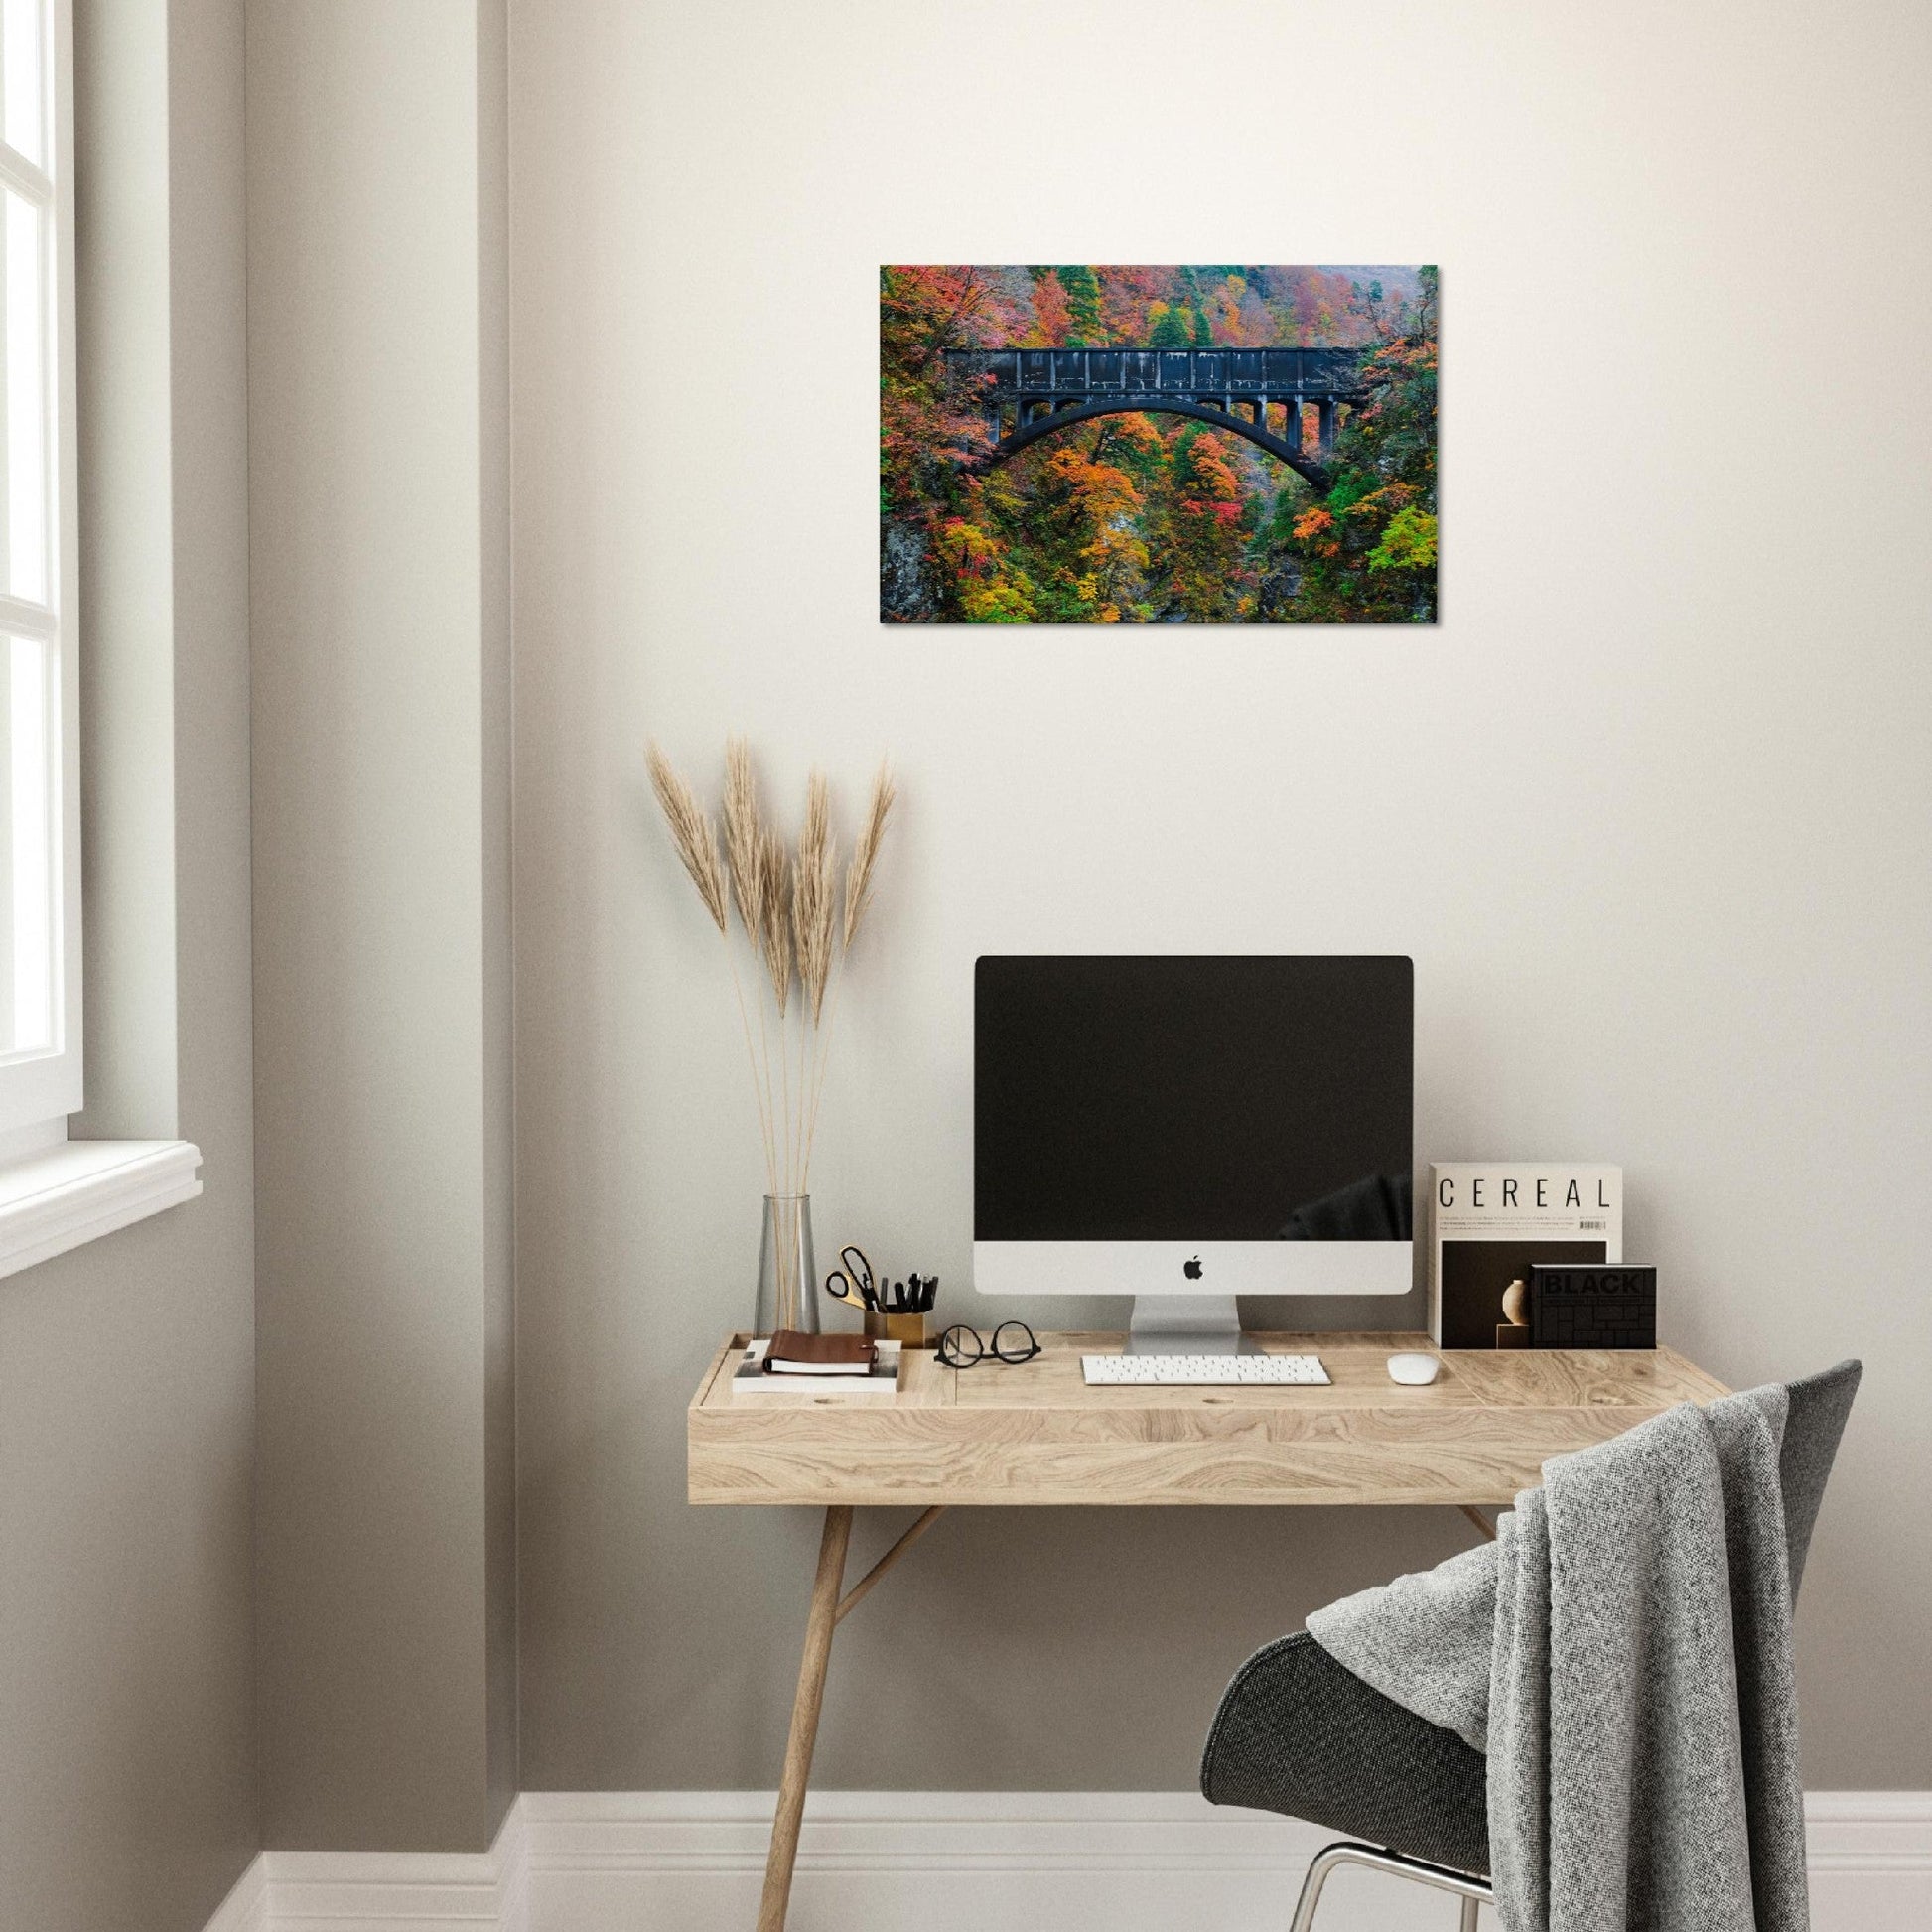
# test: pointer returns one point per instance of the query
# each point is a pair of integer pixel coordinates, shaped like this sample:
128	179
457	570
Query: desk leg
804	1718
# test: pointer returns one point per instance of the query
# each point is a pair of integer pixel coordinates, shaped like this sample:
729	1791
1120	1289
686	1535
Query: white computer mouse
1414	1369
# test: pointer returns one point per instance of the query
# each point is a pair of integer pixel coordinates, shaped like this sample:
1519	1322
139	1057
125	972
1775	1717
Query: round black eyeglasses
963	1348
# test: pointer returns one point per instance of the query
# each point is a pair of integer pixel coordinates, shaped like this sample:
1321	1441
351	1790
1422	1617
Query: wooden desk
1033	1433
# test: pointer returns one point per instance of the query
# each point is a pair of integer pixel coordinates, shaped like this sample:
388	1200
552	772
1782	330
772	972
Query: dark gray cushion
1298	1733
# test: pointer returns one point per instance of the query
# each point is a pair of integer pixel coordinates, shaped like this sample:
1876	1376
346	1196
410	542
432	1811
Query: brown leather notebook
793	1353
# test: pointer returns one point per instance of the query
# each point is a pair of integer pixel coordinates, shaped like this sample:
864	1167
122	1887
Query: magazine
1489	1220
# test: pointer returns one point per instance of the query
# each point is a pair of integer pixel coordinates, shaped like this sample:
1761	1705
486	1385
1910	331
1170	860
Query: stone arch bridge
1030	393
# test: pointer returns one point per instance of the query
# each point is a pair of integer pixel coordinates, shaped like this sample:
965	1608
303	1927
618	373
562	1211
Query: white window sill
78	1190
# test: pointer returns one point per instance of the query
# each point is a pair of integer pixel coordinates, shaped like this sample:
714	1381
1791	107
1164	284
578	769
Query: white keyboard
1161	1371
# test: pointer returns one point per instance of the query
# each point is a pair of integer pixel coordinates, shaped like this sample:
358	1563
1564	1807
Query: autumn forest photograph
1183	443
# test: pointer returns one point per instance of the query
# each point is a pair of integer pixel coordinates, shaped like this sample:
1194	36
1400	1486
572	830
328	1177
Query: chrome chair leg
1472	1891
1324	1863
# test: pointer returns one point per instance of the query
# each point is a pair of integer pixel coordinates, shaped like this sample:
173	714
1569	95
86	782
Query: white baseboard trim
951	1861
385	1891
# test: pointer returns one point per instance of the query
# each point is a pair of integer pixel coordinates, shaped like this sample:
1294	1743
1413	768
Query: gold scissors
852	1282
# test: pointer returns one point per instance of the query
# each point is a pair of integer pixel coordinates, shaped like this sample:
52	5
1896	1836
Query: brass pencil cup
907	1330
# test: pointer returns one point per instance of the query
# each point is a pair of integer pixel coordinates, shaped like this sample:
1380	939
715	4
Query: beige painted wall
127	1799
379	503
1651	809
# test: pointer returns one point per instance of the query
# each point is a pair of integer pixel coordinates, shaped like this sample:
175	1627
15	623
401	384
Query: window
55	1192
40	843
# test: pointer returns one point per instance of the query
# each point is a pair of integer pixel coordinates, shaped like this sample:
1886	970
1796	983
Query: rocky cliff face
906	593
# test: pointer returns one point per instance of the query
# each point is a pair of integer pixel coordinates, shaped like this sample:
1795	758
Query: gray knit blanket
1623	1653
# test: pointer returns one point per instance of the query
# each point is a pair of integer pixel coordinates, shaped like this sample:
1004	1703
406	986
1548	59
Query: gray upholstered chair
1298	1733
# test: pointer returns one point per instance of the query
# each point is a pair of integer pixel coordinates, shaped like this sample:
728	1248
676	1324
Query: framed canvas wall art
1184	444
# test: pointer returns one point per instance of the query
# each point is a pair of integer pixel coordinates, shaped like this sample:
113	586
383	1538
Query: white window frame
55	1192
38	1090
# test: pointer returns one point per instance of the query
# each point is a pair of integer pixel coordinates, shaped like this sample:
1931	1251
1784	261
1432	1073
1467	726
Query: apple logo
1191	1268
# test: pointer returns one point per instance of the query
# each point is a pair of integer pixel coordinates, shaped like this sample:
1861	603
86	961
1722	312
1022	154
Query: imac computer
1186	1130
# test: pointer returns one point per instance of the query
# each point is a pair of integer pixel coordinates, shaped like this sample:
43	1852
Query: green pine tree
1171	330
1082	287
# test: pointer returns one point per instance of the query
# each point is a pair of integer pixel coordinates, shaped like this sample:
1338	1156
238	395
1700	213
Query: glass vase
788	1273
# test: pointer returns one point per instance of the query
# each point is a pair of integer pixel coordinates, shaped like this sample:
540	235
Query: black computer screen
1190	1099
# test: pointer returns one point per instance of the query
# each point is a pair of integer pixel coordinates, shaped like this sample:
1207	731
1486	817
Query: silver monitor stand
1187	1325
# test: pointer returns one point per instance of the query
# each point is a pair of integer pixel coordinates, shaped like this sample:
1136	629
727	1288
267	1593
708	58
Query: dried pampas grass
814	895
788	910
692	833
774	934
743	842
865	853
